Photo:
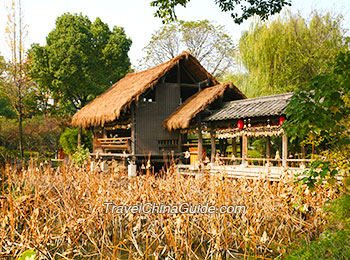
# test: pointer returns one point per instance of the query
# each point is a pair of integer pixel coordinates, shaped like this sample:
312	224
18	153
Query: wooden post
133	132
268	147
200	140
179	147
234	147
303	155
244	149
212	142
284	150
93	139
104	132
241	146
178	73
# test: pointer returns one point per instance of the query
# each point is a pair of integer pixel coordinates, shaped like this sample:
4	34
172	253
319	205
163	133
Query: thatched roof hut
109	106
183	115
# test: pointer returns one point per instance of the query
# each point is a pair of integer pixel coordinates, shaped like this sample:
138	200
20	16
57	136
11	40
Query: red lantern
240	124
282	119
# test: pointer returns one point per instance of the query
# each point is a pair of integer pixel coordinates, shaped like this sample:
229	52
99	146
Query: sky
136	16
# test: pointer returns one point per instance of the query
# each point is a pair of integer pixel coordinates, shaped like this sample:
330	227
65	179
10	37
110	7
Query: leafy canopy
247	8
321	109
80	60
284	54
209	43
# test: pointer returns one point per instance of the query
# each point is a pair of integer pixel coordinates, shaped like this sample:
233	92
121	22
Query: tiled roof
253	107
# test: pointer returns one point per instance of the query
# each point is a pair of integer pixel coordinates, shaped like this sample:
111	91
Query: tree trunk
20	134
79	136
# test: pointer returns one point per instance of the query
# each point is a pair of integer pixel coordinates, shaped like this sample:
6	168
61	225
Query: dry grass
60	213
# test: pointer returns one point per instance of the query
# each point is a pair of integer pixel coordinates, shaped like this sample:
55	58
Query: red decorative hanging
240	124
282	119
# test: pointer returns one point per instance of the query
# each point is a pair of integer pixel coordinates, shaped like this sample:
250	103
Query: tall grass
61	214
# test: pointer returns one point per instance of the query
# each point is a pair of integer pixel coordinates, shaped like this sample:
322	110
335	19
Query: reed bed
61	214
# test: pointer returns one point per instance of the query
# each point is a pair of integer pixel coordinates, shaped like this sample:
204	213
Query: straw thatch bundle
182	116
108	106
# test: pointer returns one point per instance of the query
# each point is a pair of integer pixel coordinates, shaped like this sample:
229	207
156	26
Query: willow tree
209	43
284	54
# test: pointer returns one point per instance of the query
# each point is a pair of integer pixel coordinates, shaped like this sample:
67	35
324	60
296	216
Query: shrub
81	156
69	140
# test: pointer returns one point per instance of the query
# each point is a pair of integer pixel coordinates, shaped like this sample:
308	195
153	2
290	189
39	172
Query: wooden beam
212	142
241	146
200	140
133	132
189	75
268	147
244	149
178	73
188	85
104	132
284	150
234	146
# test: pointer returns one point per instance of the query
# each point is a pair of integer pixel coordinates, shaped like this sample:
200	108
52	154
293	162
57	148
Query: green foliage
334	243
69	137
80	60
282	55
68	140
28	255
321	109
209	43
318	171
81	156
254	154
319	114
333	246
5	108
247	8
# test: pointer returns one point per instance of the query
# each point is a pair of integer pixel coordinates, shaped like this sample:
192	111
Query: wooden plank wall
150	116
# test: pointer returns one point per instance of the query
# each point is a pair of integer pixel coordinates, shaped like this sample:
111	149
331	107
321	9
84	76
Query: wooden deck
272	173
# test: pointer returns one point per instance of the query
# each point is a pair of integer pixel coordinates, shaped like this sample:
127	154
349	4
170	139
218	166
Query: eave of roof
183	115
273	105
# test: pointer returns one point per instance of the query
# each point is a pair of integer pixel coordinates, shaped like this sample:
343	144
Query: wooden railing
270	161
116	144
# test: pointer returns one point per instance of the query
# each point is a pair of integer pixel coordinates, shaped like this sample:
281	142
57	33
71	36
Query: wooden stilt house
141	115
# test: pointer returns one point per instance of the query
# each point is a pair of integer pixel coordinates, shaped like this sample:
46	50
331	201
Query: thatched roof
183	115
273	105
109	106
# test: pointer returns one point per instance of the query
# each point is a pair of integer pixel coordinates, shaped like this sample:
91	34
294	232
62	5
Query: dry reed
61	214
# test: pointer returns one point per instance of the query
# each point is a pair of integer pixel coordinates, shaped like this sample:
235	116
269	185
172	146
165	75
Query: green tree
80	60
321	109
68	140
284	54
247	8
319	114
209	43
